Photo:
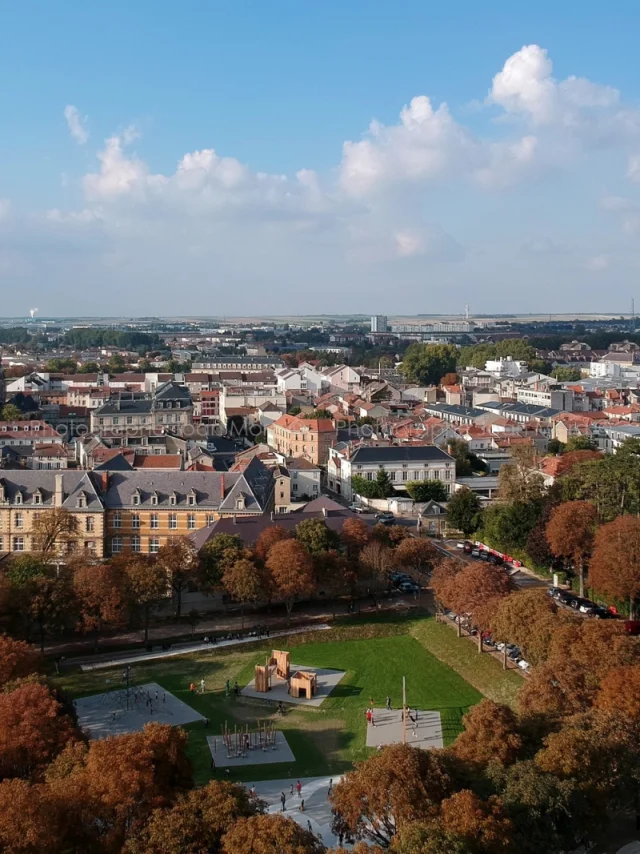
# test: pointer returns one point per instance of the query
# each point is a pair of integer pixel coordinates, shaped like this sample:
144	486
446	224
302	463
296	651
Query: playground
208	693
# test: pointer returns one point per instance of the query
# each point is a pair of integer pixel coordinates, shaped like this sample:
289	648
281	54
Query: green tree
316	536
464	511
89	368
580	443
10	412
459	450
216	555
381	487
427	490
117	363
566	375
555	446
507	526
383	484
520	480
425	364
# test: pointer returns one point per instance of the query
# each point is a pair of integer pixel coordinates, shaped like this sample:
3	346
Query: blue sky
209	158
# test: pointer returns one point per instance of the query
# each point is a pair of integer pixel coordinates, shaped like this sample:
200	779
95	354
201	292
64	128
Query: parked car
553	591
524	665
357	508
566	598
484	556
586	606
460	545
385	514
409	587
496	560
475	553
602	613
468	547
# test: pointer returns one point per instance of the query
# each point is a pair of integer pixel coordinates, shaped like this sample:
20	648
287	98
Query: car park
475	553
484	556
586	606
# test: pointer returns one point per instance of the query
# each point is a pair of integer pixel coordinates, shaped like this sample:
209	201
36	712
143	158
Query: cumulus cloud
76	124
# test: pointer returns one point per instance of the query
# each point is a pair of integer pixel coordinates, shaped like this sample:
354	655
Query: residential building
310	438
238	363
402	463
551	397
305	479
169	407
379	323
33	433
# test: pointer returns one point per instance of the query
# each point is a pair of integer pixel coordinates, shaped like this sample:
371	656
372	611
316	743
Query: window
135	544
116	545
18	544
154	545
1	544
117	520
136	499
191	499
392	475
82	500
18	498
89	524
37	497
154	498
210	519
153	521
404	475
172	499
129	419
295	487
173	521
191	521
135	520
369	475
17	520
90	546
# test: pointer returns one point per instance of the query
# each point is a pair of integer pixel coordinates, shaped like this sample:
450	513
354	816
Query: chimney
58	496
235	519
272	515
324	512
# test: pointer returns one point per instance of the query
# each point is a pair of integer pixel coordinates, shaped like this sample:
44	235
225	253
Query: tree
580	443
100	597
354	536
566	375
89	368
443	576
555	446
416	555
54	532
425	364
268	834
376	559
244	581
316	536
611	482
179	560
268	538
480	824
507	526
571	531
51	605
216	555
17	659
459	450
449	379
117	363
476	590
527	618
291	571
146	585
389	791
335	574
464	512
196	822
614	569
10	412
619	692
29	819
426	490
33	729
520	480
491	734
22	569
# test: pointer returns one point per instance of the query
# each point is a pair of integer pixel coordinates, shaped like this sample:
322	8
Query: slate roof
73	482
400	454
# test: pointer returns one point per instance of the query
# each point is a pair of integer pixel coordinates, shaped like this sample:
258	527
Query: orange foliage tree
614	569
17	659
266	834
490	734
268	538
179	560
354	536
570	533
246	582
291	569
100	599
527	618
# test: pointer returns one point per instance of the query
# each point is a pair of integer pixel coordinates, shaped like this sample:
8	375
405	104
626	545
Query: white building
506	367
305	478
402	463
553	398
379	323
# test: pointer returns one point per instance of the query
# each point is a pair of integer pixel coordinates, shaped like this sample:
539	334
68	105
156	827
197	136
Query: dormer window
154	498
240	505
37	497
191	498
82	500
173	499
18	499
135	498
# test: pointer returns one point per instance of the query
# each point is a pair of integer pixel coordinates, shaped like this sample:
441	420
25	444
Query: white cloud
77	124
598	263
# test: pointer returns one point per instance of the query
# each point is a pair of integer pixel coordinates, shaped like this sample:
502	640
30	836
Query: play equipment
239	742
278	663
303	684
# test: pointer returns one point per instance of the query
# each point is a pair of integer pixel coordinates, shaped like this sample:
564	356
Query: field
444	673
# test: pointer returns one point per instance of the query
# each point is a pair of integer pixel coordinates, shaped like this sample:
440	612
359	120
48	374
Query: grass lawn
443	673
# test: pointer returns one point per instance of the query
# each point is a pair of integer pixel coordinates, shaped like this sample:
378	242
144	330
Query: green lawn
443	673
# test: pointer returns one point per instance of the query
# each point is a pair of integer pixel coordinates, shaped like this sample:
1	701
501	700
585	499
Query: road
522	580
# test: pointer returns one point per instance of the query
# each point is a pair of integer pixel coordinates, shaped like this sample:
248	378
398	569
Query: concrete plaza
257	756
425	732
327	681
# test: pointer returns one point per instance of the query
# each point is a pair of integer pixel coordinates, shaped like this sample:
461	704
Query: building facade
309	438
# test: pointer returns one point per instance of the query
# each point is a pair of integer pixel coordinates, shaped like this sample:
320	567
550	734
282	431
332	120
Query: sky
235	158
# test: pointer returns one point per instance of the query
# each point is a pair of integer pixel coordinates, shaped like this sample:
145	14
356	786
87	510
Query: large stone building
169	407
310	438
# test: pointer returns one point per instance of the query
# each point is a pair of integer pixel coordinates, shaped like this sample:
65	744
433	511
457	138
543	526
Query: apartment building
26	494
32	433
402	463
553	397
170	407
310	438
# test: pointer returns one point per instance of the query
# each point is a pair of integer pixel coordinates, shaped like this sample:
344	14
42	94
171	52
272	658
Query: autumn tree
417	555
34	728
245	582
196	822
146	583
614	569
266	834
393	788
442	578
335	574
464	511
316	536
291	569
17	659
619	692
490	734
376	559
30	821
268	538
474	588
100	599
179	561
479	824
527	618
54	532
216	555
520	480
51	605
354	536
570	533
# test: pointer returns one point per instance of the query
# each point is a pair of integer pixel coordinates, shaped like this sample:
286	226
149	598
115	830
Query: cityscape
320	455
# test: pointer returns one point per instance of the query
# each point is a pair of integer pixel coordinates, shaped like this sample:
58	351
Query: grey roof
400	454
172	391
125	406
453	409
117	463
73	482
215	490
521	409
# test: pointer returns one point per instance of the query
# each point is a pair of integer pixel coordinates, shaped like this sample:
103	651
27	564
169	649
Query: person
292	790
298	787
206	723
236	690
227	687
213	764
156	696
206	639
302	805
192	688
373	722
309	826
330	788
371	703
283	800
202	685
388	704
369	717
252	790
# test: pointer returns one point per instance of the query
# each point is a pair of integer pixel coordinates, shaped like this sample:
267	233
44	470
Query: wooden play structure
303	684
279	664
240	742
